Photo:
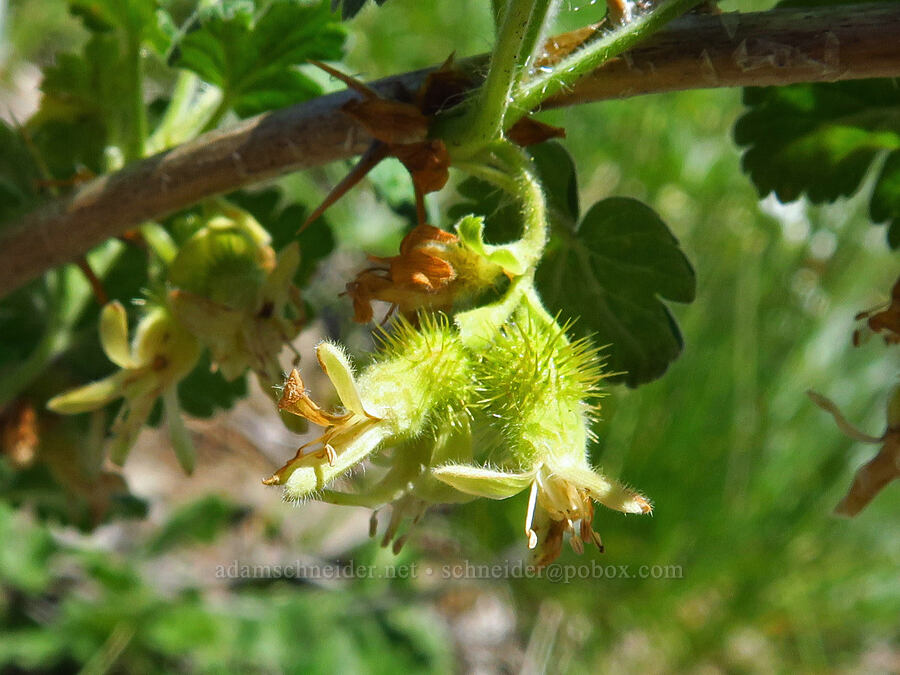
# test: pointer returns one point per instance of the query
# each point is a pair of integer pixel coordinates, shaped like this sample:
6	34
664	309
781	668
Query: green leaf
275	90
89	99
817	139
556	170
885	204
201	521
203	392
24	318
252	55
26	553
612	273
821	139
137	18
19	175
139	21
83	109
350	8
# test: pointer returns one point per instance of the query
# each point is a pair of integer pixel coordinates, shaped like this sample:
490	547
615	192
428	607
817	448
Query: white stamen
529	516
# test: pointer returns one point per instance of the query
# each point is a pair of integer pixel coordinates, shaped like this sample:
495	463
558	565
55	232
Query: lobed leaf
820	140
885	204
613	272
137	18
85	107
350	8
19	174
252	53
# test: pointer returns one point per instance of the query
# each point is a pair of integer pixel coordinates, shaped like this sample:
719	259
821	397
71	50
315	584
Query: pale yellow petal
114	335
337	366
610	493
481	482
89	397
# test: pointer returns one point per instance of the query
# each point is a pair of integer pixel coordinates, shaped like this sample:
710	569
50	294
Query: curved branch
697	51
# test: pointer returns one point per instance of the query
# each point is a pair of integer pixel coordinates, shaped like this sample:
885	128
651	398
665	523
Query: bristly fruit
488	422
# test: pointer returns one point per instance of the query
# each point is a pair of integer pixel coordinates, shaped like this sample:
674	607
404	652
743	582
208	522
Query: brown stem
697	51
96	285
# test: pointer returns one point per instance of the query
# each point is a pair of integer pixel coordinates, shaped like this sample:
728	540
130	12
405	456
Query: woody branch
777	47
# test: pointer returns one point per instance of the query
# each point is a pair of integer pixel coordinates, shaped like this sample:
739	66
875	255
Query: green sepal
89	397
339	370
471	233
482	482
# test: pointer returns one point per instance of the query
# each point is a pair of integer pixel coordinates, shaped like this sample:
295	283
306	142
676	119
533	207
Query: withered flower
873	476
884	320
433	270
351	432
400	129
19	432
562	491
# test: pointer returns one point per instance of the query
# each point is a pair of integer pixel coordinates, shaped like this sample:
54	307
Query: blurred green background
743	470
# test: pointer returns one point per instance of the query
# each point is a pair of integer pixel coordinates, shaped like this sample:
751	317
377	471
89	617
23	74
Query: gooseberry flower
873	476
540	389
236	296
151	366
421	375
561	489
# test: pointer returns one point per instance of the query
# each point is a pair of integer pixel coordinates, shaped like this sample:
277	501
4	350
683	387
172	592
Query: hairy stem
530	247
543	13
593	54
483	121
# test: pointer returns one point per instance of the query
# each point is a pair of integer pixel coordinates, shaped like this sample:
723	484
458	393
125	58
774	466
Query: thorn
352	82
376	152
387	316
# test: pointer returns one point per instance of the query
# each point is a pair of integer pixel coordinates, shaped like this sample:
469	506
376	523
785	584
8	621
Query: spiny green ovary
419	375
540	389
